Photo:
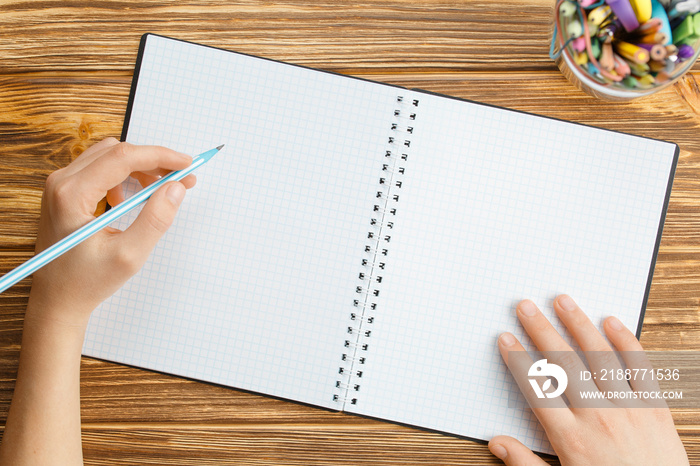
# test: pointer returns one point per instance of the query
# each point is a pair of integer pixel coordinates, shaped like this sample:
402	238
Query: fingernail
507	339
499	450
528	308
175	193
566	303
615	323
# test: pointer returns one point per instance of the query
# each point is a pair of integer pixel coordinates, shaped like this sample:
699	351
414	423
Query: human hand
71	286
606	432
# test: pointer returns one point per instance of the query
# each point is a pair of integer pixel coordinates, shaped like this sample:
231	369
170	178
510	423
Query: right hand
72	285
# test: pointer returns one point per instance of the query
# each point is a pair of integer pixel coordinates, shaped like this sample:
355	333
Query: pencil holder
624	49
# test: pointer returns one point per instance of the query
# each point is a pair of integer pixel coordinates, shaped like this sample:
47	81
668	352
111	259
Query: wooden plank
267	445
395	36
344	35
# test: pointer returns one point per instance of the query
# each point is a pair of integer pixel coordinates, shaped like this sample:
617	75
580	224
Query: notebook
360	246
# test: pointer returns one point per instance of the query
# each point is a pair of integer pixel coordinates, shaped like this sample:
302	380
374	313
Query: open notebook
360	246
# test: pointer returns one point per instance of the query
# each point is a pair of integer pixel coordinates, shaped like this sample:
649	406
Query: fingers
145	179
110	147
550	411
632	354
137	241
189	181
116	194
513	453
580	326
620	336
598	353
553	346
90	154
118	162
103	144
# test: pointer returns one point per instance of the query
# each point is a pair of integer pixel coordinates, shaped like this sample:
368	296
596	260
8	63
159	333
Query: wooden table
65	72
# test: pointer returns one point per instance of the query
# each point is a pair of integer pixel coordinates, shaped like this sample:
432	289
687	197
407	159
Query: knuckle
123	149
568	361
542	325
606	358
579	319
604	422
127	260
158	222
53	179
59	191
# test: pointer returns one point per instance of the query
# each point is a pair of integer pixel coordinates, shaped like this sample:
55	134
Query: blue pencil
75	238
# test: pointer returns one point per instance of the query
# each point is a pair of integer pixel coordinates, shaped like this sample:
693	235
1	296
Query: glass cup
624	49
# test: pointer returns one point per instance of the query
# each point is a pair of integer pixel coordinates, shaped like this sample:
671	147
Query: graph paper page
253	284
498	206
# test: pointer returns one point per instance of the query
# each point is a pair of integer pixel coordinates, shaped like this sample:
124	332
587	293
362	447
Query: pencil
80	235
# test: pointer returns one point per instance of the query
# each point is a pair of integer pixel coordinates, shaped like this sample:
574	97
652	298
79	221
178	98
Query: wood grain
265	445
331	34
65	72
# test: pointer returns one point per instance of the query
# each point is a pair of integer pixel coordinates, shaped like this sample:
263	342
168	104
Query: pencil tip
219	148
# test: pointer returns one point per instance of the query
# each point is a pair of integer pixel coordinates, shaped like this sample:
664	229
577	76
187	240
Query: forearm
43	425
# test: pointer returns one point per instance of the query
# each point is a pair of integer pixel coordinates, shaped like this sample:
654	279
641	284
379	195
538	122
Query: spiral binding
376	251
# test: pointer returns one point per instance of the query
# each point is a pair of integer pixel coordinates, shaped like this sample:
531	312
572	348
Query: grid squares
253	284
499	206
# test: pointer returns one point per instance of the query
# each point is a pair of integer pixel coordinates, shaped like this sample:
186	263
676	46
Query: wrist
47	307
49	338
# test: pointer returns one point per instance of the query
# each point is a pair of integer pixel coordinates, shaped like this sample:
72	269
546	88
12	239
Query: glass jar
624	49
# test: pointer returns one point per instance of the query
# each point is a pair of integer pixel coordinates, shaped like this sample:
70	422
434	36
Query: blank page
498	206
253	285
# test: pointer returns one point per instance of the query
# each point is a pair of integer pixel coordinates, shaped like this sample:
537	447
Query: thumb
514	453
153	221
